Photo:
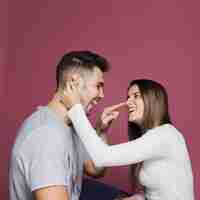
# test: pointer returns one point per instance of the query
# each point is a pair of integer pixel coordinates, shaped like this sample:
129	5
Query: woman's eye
137	96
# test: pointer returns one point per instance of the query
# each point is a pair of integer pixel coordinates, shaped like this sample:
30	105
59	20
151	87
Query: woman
157	152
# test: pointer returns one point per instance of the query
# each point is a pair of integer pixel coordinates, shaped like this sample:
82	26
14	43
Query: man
48	159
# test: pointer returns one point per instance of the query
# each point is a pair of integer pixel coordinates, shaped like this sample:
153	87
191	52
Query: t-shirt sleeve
45	159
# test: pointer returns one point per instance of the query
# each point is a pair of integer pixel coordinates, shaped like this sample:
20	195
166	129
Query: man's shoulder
43	140
48	132
41	128
41	119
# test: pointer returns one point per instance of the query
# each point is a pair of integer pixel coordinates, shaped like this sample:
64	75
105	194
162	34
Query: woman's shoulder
166	131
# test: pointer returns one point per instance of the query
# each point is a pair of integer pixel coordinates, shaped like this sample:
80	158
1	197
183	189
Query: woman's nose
130	101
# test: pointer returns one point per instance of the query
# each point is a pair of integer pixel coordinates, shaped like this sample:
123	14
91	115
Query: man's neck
59	109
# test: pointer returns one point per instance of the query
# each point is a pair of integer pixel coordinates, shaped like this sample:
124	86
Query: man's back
45	153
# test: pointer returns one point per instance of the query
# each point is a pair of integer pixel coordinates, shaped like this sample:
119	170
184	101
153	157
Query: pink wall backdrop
4	148
153	39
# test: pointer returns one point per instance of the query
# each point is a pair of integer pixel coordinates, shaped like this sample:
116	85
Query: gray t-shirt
46	152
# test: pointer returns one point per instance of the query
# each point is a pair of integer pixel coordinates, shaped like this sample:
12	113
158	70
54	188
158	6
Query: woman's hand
108	116
70	95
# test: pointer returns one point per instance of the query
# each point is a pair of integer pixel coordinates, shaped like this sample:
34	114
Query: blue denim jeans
95	190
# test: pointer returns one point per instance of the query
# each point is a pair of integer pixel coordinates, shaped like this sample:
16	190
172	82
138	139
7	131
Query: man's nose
101	94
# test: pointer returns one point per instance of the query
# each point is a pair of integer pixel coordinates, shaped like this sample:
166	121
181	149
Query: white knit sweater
166	172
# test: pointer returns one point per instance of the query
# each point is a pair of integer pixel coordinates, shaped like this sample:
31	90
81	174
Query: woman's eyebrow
133	93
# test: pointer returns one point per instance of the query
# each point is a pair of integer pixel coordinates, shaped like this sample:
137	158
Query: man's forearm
51	193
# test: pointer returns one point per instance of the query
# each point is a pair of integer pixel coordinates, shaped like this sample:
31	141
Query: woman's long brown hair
155	114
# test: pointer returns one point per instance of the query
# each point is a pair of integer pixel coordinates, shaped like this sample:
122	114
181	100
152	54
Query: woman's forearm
146	147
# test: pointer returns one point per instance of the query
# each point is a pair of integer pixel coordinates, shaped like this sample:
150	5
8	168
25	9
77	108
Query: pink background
153	39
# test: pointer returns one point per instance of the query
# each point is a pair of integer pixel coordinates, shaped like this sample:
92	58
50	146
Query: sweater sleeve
149	146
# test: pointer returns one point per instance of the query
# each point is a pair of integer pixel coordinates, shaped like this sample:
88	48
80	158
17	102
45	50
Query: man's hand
108	116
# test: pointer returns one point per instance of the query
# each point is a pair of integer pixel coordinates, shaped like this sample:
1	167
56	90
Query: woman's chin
133	120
